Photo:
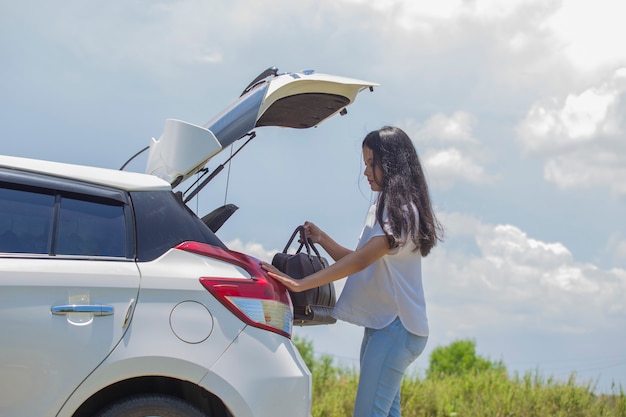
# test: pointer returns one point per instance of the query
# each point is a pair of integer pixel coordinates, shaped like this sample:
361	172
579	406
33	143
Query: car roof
128	181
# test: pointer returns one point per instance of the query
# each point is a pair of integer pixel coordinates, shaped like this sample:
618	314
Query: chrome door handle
96	310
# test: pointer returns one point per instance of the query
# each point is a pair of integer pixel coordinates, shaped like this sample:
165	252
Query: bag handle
308	243
304	242
291	239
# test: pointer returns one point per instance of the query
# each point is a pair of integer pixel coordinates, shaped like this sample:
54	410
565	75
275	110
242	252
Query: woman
383	292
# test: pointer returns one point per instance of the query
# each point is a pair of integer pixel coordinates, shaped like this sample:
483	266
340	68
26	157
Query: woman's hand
317	235
313	232
291	284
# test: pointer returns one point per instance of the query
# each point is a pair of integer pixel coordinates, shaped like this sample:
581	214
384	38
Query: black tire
151	405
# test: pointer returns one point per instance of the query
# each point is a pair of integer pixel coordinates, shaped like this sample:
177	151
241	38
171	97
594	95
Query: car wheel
152	405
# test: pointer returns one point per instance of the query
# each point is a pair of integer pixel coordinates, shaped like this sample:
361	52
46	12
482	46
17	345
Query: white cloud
586	32
456	128
556	124
590	32
581	136
514	278
448	166
588	167
448	149
253	249
415	14
616	248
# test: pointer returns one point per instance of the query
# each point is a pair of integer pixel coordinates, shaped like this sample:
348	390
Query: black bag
310	307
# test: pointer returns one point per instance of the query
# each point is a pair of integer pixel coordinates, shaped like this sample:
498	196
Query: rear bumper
261	375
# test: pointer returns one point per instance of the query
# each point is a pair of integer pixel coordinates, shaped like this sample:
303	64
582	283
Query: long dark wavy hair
403	186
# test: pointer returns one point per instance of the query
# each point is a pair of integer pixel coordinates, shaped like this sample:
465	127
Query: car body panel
49	354
248	386
128	181
151	347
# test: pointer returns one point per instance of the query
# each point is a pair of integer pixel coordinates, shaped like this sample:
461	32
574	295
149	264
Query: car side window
90	228
25	221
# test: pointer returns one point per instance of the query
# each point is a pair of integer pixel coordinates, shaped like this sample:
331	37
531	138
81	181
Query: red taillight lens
258	301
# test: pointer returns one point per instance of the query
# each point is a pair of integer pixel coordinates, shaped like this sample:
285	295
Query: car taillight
258	301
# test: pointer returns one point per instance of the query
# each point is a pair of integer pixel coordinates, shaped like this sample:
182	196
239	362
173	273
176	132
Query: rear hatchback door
297	100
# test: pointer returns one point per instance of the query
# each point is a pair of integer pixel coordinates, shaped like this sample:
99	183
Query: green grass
487	393
494	393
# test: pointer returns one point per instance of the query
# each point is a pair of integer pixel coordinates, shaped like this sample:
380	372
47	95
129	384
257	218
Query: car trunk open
295	100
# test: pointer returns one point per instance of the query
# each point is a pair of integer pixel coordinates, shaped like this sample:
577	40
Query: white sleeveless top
390	287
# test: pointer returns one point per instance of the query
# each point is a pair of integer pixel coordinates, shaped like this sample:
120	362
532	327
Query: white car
117	300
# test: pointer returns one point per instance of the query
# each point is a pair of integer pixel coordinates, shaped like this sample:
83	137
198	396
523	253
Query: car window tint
91	228
163	222
25	221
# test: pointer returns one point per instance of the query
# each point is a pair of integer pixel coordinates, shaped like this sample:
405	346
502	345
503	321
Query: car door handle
96	310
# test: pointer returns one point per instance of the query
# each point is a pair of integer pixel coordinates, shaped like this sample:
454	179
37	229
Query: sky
517	109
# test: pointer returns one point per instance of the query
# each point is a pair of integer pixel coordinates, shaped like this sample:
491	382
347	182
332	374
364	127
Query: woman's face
373	172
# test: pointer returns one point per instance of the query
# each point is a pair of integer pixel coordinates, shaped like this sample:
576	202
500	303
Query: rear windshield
163	221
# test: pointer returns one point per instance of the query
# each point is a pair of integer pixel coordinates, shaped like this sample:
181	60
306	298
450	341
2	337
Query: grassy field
488	393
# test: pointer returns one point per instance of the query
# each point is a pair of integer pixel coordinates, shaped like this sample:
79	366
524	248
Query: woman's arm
349	264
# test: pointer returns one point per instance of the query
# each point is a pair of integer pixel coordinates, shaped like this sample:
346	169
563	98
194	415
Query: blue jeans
385	355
